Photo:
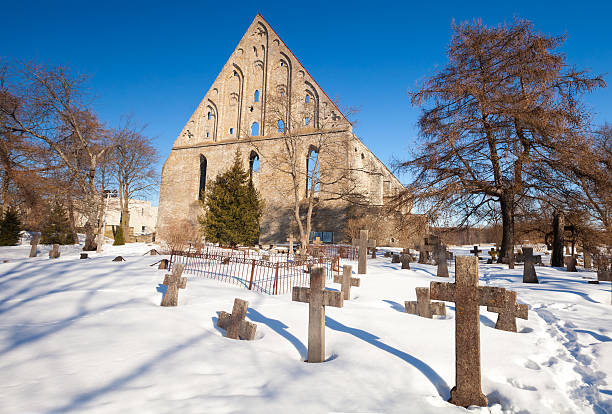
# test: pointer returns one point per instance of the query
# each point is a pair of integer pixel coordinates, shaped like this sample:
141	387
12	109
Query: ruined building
266	104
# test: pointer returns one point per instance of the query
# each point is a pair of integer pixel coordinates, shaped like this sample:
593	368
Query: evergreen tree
10	227
233	208
119	238
57	230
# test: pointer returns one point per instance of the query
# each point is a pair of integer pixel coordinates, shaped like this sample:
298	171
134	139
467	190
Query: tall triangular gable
236	104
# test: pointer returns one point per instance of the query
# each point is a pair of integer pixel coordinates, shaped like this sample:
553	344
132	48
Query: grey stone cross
441	257
174	283
507	314
423	306
405	259
234	324
475	251
363	243
34	243
317	298
54	253
468	296
529	272
347	281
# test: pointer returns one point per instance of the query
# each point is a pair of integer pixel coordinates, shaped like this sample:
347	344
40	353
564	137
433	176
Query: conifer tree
119	238
233	208
57	227
10	227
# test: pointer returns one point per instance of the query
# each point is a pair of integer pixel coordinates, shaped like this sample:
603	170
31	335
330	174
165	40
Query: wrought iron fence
343	251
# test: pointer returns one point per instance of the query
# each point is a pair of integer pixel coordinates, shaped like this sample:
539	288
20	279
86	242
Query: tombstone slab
34	243
317	298
174	282
507	314
54	253
468	296
347	281
423	306
395	258
234	324
529	272
571	264
405	259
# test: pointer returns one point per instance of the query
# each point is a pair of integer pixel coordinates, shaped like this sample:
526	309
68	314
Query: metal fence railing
334	250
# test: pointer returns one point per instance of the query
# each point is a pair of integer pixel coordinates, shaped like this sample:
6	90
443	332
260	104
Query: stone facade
241	111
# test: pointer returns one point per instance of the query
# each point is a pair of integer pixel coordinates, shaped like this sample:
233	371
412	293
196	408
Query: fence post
275	288
252	274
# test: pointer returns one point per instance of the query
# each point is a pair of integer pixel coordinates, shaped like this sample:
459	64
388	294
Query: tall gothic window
202	188
253	163
255	129
312	171
256	97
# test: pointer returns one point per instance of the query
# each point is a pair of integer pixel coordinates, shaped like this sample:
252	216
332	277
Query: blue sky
156	61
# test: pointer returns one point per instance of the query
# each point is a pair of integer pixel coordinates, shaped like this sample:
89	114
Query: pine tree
56	230
119	238
10	227
233	208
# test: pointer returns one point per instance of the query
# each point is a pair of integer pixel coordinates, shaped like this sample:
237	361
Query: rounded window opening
209	115
362	156
231	131
256	96
306	121
307	99
253	163
255	129
282	63
281	126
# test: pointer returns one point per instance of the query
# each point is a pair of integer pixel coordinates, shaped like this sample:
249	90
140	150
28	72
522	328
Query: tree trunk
556	259
72	219
506	202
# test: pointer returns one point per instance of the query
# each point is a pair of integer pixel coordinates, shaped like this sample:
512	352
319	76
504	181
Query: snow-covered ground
90	336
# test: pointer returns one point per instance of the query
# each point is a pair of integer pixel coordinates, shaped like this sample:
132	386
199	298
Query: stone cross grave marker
54	253
290	240
317	298
529	272
363	243
468	296
405	259
423	306
571	264
34	243
395	258
234	324
374	252
441	260
507	314
347	281
174	283
475	251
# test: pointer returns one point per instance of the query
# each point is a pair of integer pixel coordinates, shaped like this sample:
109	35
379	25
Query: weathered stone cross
290	240
506	320
475	251
54	253
363	244
468	296
34	243
529	272
174	283
234	324
405	259
347	281
441	257
317	298
423	306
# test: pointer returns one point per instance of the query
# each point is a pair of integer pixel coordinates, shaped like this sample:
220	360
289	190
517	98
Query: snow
90	336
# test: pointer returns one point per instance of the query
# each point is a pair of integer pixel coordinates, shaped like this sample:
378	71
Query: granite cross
441	259
174	283
363	243
234	324
34	243
468	296
423	306
405	258
347	281
317	298
529	272
475	251
507	314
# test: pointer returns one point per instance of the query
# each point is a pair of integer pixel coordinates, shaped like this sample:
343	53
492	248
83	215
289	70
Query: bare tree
50	108
310	162
133	161
500	106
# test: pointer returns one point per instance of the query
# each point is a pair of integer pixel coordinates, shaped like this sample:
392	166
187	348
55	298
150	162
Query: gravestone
395	258
423	306
388	254
604	273
84	256
405	259
441	260
347	281
475	251
529	272
163	264
468	296
571	264
234	324
373	252
174	282
363	243
507	314
290	240
118	259
423	254
54	253
317	298
34	243
588	261
493	254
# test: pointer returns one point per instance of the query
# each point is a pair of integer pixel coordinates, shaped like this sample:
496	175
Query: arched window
255	129
231	131
209	115
312	169
203	164
253	163
281	126
307	99
306	121
256	97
